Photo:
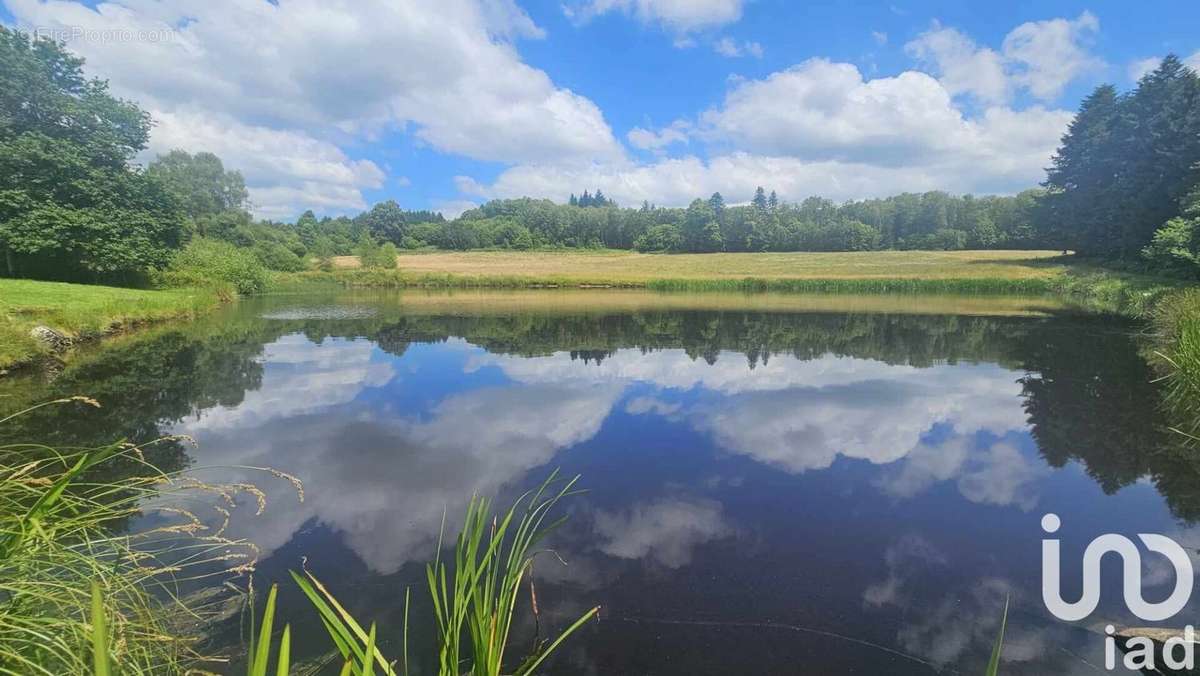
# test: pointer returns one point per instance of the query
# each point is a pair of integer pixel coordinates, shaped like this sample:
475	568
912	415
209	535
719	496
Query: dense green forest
74	205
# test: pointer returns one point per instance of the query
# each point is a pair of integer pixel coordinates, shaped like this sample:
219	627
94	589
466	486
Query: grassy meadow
629	267
84	311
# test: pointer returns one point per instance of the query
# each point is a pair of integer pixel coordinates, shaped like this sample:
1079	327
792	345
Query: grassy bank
1176	351
85	312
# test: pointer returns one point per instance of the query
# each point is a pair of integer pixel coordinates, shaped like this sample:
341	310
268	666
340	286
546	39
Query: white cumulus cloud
311	75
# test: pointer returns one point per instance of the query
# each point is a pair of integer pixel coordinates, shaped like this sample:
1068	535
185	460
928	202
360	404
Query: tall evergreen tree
760	199
1159	137
717	204
1078	209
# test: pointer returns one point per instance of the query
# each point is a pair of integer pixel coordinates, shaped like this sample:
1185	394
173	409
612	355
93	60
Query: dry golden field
627	266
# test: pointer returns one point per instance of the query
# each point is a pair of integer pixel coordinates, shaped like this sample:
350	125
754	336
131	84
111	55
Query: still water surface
775	485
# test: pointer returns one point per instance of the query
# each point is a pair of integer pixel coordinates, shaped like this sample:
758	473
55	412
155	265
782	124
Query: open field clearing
632	267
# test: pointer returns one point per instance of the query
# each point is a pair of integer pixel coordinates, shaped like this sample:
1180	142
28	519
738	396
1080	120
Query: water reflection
774	492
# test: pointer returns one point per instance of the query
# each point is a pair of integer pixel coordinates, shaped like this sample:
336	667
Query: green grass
85	312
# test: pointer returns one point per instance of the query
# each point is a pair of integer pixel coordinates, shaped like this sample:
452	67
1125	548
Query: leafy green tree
71	205
309	231
386	222
1176	245
701	232
665	237
200	182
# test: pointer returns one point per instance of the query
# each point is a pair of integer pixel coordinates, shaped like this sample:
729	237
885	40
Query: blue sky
336	105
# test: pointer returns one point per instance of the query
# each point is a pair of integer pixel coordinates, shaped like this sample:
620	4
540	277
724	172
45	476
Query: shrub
1176	246
278	257
204	261
372	255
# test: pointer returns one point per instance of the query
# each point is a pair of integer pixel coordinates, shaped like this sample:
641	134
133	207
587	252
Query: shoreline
85	313
88	313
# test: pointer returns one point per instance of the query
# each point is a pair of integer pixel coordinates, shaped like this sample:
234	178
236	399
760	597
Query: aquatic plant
474	602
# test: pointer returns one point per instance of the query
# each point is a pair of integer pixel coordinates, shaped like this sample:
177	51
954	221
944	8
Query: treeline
1126	181
932	220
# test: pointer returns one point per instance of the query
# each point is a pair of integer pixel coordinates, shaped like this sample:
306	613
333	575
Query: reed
76	592
474	601
1176	351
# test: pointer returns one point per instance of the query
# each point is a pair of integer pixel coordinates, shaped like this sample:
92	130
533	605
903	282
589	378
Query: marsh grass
474	600
77	590
1176	350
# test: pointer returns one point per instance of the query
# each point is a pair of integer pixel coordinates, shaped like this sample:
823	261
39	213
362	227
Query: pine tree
717	204
1160	140
1078	210
760	199
574	201
773	202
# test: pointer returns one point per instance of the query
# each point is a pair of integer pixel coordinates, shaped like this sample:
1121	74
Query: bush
380	257
1176	247
372	255
278	257
204	261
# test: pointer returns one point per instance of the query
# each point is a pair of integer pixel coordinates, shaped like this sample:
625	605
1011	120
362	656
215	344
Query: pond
775	484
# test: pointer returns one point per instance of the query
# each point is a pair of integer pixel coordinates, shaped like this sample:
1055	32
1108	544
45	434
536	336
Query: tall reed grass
69	569
1176	320
474	600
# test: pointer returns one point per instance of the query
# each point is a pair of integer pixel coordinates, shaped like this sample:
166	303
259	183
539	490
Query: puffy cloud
283	168
801	415
1046	55
821	128
998	474
302	379
963	66
443	70
1041	56
666	531
360	472
681	16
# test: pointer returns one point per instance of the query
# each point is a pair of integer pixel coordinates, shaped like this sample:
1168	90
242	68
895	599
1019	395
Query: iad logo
1141	653
1132	572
